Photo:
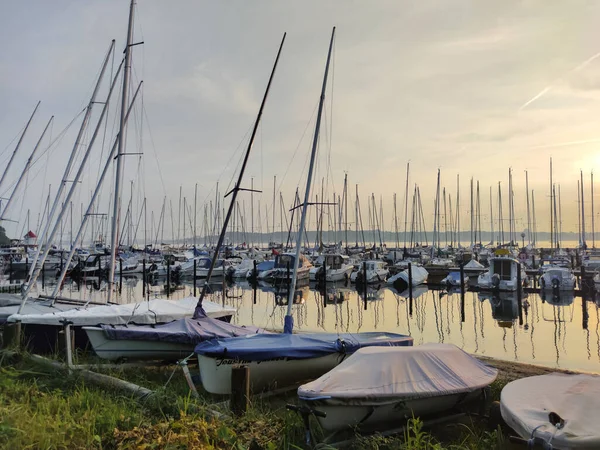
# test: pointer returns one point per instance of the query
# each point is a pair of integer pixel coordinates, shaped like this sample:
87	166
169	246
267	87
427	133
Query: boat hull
366	414
133	349
216	372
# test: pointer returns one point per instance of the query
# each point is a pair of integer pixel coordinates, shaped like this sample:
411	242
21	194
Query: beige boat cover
377	373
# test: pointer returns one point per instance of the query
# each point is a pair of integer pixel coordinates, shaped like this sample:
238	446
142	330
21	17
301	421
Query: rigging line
240	159
297	147
162	181
9	145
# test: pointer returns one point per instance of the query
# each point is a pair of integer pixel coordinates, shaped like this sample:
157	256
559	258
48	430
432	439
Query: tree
4	240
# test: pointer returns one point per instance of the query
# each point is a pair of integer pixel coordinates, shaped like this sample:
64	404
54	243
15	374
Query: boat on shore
282	359
383	385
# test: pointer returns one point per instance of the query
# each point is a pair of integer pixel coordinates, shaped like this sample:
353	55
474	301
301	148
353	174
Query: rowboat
379	385
282	359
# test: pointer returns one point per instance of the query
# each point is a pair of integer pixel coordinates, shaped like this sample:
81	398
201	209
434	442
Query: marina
394	282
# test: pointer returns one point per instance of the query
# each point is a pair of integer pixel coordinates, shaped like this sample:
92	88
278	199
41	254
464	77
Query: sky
472	88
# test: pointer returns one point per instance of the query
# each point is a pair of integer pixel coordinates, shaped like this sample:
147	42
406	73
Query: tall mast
551	221
472	226
64	180
237	188
10	161
528	210
346	210
25	169
120	152
396	223
59	221
195	213
435	214
289	320
582	212
90	207
593	219
274	207
533	218
406	202
457	211
491	216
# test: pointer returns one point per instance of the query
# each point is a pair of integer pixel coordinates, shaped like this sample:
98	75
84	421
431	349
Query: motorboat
284	265
388	385
557	278
376	272
264	271
401	281
282	359
555	410
503	274
167	342
332	268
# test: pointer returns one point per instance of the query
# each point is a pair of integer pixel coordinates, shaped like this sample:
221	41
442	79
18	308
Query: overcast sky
469	87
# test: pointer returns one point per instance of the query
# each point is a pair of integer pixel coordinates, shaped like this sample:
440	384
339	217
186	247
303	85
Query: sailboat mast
289	321
237	187
551	221
593	219
582	212
120	152
25	169
491	216
406	203
10	161
528	210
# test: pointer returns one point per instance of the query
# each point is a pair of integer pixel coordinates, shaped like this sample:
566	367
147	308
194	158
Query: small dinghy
282	359
556	409
383	385
169	341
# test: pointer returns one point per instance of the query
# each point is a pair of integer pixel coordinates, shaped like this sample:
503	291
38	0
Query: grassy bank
45	408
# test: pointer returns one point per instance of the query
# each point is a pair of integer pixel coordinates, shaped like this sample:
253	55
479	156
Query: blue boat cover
265	265
296	346
183	331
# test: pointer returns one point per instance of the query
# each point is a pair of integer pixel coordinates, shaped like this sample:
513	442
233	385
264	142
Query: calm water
557	332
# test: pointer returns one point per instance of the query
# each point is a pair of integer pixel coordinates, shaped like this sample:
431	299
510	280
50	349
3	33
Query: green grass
43	408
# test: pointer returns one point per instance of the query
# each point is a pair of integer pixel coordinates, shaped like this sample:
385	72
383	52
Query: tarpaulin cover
183	331
378	373
526	405
261	347
265	265
146	312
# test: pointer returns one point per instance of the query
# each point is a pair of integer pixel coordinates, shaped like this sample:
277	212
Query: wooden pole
240	390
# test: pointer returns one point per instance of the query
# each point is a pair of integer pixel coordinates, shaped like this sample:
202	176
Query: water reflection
554	330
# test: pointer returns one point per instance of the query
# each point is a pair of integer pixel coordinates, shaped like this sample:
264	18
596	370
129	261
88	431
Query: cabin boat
502	275
332	268
377	272
282	359
557	277
285	262
388	385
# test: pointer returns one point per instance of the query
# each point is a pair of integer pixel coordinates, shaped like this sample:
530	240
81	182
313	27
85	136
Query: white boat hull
132	349
368	414
216	372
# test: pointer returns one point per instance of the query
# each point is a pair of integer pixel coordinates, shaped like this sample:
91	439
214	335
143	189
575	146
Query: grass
42	408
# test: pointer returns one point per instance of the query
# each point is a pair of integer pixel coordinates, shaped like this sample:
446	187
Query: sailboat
150	342
281	359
